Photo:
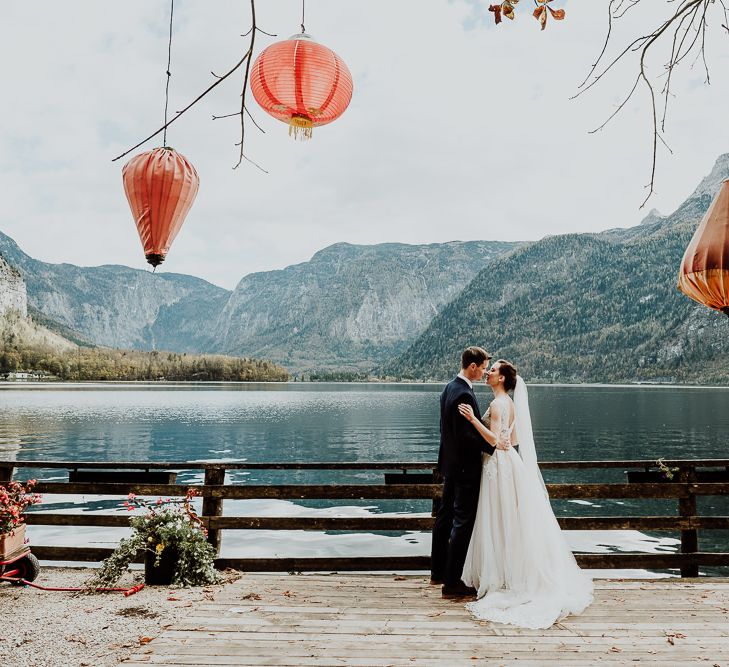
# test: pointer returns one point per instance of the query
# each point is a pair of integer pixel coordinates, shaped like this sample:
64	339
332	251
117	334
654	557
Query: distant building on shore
24	376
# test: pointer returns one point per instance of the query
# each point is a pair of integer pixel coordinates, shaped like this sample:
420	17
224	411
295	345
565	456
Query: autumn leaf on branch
506	8
557	14
540	13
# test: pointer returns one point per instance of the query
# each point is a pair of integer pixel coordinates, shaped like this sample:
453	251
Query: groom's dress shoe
459	590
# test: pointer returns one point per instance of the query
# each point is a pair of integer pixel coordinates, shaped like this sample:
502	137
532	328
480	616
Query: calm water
350	422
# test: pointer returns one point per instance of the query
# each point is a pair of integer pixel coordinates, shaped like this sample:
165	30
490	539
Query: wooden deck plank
362	619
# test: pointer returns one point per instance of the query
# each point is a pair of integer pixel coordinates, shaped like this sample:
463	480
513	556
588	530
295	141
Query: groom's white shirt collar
468	382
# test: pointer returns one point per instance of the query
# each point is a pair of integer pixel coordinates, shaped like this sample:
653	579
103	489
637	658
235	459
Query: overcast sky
458	129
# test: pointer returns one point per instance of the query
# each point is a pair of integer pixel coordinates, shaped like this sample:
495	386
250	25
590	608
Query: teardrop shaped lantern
302	83
161	186
704	274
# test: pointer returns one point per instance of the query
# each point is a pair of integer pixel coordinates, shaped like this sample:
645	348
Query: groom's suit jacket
461	444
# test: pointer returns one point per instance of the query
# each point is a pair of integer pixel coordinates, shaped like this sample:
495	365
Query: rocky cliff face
350	306
587	307
13	295
117	306
710	185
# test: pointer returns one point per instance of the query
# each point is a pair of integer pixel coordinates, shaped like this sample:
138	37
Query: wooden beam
400	563
378	523
372	491
359	465
86	554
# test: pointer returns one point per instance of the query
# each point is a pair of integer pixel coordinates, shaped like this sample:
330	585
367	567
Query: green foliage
128	365
337	376
166	524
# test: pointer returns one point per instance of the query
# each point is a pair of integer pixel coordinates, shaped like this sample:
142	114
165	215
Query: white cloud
457	130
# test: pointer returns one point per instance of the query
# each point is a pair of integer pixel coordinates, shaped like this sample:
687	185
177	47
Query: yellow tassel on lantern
300	127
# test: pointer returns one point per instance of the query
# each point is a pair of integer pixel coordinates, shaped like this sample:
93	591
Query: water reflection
339	422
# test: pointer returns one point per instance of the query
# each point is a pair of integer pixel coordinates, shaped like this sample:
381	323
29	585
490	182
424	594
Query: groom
459	462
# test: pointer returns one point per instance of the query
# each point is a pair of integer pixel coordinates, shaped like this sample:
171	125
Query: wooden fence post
213	506
689	538
6	473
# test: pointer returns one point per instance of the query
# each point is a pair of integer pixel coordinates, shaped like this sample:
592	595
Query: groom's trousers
453	527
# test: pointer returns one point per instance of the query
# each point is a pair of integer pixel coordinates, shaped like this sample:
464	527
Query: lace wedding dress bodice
518	559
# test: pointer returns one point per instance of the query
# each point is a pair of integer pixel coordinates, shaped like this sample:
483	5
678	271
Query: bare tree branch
245	88
686	27
219	79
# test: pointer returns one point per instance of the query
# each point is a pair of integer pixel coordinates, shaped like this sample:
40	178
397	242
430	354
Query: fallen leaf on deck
288	594
615	649
251	596
145	640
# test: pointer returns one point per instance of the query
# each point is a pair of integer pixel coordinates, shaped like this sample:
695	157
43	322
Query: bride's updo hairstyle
508	370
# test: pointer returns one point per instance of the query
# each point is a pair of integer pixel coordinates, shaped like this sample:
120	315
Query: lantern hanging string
169	74
303	11
218	80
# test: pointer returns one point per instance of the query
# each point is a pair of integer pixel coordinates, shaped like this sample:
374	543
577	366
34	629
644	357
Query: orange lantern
704	274
301	83
161	186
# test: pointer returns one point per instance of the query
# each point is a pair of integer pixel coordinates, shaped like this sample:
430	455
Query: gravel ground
65	629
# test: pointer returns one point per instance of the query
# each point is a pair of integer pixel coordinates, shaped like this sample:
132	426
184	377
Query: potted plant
14	499
174	542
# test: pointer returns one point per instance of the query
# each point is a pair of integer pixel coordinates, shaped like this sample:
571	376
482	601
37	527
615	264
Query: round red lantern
302	83
161	186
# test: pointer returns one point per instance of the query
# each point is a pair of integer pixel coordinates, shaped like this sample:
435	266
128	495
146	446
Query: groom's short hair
474	355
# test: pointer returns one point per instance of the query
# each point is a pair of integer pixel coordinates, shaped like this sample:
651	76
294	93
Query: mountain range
577	307
350	307
587	308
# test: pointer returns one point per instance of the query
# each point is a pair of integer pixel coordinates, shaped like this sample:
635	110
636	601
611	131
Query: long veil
525	435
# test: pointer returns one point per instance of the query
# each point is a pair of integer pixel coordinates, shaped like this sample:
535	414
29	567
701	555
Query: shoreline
37	384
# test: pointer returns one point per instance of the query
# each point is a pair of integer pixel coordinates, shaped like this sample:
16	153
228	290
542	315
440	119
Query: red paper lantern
301	83
161	186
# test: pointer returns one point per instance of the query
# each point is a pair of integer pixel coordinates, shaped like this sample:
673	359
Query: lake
350	422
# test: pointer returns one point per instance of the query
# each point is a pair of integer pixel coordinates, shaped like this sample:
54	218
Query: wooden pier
373	620
385	619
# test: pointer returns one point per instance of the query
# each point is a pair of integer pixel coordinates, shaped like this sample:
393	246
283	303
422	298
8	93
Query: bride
518	559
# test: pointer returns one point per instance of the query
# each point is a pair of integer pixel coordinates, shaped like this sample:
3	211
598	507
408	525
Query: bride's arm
467	412
489	435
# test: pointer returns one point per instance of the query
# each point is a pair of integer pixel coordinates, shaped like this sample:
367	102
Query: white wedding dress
518	559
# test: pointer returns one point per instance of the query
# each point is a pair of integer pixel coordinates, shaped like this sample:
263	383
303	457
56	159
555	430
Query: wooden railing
407	480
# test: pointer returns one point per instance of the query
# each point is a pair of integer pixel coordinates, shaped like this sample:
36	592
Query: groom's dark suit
459	461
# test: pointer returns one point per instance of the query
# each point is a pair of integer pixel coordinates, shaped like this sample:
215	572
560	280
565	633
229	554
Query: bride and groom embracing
495	536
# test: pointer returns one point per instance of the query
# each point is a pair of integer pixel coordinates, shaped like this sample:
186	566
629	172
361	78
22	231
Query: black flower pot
162	574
